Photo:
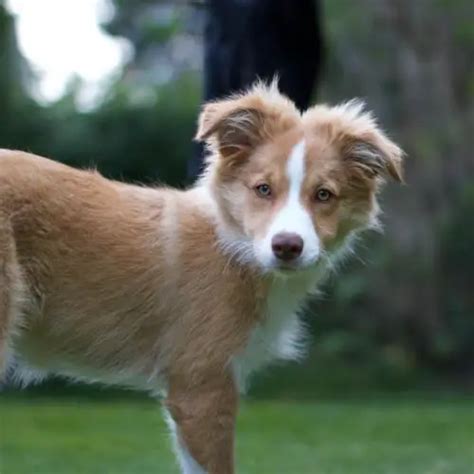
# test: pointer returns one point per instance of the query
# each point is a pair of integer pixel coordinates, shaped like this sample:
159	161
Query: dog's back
98	276
66	237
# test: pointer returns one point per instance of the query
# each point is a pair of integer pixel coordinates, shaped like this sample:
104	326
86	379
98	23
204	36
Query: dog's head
292	188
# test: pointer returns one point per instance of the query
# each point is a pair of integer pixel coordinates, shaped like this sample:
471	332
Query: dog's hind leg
10	291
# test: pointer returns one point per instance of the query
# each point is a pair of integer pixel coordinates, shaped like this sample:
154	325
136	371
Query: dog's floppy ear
373	154
366	147
231	126
234	127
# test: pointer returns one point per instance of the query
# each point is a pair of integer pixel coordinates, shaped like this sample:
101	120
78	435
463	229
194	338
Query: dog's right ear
235	126
231	127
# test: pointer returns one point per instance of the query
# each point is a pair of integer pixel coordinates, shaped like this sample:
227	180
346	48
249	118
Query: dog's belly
32	363
37	352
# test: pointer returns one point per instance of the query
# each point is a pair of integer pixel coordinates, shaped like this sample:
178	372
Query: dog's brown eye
263	190
323	195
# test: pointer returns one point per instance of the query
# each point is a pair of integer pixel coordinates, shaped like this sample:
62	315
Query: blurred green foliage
406	303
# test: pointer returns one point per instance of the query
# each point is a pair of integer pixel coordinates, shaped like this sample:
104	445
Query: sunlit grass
67	436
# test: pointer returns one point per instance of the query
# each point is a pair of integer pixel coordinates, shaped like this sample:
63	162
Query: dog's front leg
203	421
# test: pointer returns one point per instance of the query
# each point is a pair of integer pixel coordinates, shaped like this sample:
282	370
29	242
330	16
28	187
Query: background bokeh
399	316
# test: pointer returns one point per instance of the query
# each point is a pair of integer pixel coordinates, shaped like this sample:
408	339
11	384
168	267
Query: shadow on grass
327	379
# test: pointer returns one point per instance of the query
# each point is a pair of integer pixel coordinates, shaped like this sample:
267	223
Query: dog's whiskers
239	251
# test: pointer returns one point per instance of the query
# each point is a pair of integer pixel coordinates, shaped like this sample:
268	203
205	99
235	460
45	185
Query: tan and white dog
186	292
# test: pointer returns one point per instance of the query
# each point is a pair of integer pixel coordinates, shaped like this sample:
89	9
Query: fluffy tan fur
101	280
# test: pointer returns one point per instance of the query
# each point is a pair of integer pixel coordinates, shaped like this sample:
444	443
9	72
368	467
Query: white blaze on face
293	217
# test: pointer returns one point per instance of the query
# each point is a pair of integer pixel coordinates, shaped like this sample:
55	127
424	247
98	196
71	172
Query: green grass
404	436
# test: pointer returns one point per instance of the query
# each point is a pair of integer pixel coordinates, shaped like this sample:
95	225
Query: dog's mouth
292	267
288	267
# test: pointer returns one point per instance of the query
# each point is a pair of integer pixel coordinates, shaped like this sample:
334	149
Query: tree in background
20	115
166	39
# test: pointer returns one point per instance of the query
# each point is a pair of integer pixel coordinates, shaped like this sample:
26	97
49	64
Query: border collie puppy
185	293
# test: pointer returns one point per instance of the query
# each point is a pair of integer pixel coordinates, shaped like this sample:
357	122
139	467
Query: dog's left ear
373	154
364	147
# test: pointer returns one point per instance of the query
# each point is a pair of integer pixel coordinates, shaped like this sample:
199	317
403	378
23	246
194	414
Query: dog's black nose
287	246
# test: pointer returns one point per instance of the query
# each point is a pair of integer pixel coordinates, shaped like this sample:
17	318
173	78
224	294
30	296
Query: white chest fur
280	334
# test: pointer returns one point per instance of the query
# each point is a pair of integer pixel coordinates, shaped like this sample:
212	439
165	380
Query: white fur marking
186	461
280	334
293	217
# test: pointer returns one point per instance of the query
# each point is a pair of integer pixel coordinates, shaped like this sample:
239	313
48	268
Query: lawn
386	436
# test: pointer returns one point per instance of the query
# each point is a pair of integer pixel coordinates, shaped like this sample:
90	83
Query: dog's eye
263	190
323	195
